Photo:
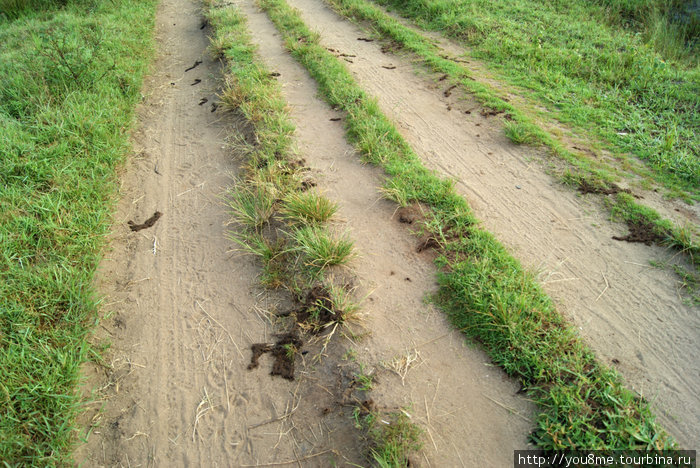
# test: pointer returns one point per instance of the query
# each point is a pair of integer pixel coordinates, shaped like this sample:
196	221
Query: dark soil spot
335	119
148	223
196	64
307	183
284	352
258	350
205	23
275	74
490	112
426	242
586	187
364	39
410	214
448	91
316	309
390	47
641	231
442	78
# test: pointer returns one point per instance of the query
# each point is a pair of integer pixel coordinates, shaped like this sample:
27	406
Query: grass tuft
308	208
322	249
252	204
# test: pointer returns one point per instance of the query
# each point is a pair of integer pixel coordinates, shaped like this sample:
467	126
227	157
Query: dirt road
183	308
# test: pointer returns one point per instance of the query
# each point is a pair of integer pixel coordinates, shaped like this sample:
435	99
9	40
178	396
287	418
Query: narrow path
630	313
179	303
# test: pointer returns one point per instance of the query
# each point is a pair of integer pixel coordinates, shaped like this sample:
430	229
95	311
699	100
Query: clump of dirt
486	113
448	91
284	351
312	315
585	186
641	231
146	224
390	47
316	310
428	241
410	214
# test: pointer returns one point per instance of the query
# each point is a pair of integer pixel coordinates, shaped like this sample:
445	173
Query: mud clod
586	187
146	224
196	64
410	214
284	352
426	242
391	47
490	112
316	309
448	91
258	350
641	231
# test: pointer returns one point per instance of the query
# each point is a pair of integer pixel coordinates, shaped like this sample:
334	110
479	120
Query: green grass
70	77
520	126
593	76
321	248
486	293
392	440
252	204
308	208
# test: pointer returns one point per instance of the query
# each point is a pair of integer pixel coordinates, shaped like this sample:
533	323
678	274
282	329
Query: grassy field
598	77
486	293
70	75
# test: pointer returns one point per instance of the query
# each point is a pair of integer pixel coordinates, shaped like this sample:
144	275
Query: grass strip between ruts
70	77
273	171
582	403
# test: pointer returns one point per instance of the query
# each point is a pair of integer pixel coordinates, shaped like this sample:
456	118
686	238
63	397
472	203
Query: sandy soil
182	308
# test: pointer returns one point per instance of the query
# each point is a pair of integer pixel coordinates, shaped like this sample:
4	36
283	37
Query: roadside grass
286	225
487	294
671	27
521	129
70	77
593	76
